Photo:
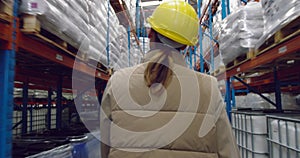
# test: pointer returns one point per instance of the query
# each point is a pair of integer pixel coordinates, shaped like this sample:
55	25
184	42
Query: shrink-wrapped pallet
83	24
240	31
277	14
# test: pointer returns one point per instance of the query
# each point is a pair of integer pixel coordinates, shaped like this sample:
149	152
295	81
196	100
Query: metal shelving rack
7	65
280	77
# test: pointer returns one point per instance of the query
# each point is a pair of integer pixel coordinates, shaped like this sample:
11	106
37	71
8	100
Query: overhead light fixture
290	62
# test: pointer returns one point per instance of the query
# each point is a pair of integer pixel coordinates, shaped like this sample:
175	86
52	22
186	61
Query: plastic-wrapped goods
56	17
288	101
114	50
218	61
240	31
74	32
256	102
61	151
234	5
83	24
240	101
79	9
71	14
277	13
97	39
84	5
53	29
94	54
33	7
95	15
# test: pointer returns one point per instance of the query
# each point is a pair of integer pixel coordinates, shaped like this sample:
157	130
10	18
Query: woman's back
187	119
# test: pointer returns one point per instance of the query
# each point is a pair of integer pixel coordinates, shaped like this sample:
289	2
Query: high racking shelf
273	67
277	74
122	12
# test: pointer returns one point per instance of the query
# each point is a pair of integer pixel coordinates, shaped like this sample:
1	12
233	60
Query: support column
211	40
7	73
128	33
200	38
277	90
233	103
24	108
59	104
49	109
7	64
224	9
228	98
107	35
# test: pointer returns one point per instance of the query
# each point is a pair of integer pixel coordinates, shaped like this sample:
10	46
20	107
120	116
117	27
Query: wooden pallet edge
6	8
251	54
258	52
219	70
33	28
33	32
6	18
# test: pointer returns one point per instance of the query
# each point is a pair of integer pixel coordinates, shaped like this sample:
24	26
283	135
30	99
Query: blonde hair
158	68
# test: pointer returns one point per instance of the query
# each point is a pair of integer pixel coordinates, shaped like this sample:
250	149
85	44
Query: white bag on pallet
239	33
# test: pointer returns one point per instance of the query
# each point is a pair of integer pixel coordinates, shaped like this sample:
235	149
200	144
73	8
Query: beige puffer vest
151	132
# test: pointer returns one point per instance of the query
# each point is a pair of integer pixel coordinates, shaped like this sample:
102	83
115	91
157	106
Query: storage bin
284	135
250	131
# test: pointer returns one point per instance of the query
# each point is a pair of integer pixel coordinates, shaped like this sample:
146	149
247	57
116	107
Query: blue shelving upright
7	69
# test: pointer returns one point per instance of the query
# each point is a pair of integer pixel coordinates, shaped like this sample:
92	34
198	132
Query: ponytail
157	70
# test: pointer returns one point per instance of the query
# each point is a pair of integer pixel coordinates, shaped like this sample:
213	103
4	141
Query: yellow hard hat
176	20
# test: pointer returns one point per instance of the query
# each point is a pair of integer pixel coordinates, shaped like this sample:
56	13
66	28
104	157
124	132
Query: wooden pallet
289	31
242	58
32	27
6	18
6	8
218	71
